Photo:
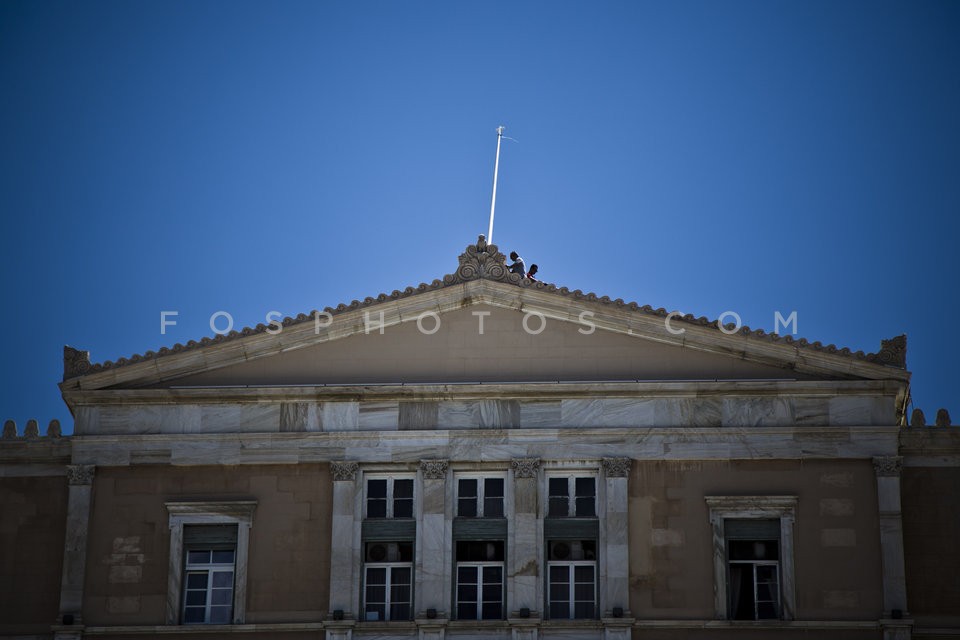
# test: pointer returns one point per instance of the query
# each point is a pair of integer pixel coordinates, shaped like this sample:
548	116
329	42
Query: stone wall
289	553
32	516
837	552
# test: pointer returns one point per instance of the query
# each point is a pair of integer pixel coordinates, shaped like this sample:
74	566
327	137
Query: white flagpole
496	167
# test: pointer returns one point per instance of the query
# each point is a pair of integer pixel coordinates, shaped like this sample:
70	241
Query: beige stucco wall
32	519
128	549
837	555
505	352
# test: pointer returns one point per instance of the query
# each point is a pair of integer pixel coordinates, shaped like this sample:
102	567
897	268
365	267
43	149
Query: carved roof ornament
893	352
917	419
887	465
483	261
75	362
525	467
943	418
616	467
9	430
53	429
344	471
80	474
434	469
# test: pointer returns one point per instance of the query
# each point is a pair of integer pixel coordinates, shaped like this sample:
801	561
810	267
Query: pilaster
344	554
80	479
894	626
617	556
434	553
524	571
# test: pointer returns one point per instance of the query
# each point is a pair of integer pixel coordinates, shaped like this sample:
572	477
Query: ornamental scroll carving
616	467
344	471
80	474
892	352
482	261
525	467
75	362
888	465
434	469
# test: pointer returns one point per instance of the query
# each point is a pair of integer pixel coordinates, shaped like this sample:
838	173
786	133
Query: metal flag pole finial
496	168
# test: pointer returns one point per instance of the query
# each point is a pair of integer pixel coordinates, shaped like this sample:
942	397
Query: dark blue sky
205	156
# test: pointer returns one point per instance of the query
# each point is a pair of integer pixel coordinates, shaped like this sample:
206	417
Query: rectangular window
480	580
390	498
206	574
209	569
388	581
480	497
572	497
753	569
572	574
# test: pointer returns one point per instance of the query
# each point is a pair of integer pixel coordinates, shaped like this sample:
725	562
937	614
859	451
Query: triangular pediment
585	338
484	343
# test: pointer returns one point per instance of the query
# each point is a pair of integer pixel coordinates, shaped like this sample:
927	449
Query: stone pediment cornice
485	263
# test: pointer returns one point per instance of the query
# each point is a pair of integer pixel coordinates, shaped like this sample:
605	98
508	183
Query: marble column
524	573
616	590
80	479
433	545
891	548
345	552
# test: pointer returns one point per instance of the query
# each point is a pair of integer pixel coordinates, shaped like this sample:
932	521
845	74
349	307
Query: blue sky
700	156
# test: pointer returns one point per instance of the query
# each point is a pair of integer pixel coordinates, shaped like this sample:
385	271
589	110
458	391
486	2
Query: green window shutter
571	528
207	534
751	529
389	529
479	529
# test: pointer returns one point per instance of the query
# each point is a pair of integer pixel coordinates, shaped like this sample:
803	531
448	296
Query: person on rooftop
533	272
517	266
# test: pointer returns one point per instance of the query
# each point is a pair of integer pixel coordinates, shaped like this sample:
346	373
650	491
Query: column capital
525	467
887	465
344	471
616	467
434	469
80	474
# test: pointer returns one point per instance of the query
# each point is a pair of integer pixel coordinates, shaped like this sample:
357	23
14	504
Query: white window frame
782	508
390	478
571	477
481	479
240	513
756	597
389	566
208	568
571	566
480	565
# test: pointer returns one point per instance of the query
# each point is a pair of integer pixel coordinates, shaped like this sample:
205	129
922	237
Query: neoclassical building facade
484	457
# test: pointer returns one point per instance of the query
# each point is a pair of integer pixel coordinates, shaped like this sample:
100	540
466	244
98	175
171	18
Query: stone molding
888	465
784	509
616	467
434	469
344	471
525	467
80	474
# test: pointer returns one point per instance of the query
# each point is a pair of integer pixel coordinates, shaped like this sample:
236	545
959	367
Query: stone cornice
469	391
481	278
689	443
